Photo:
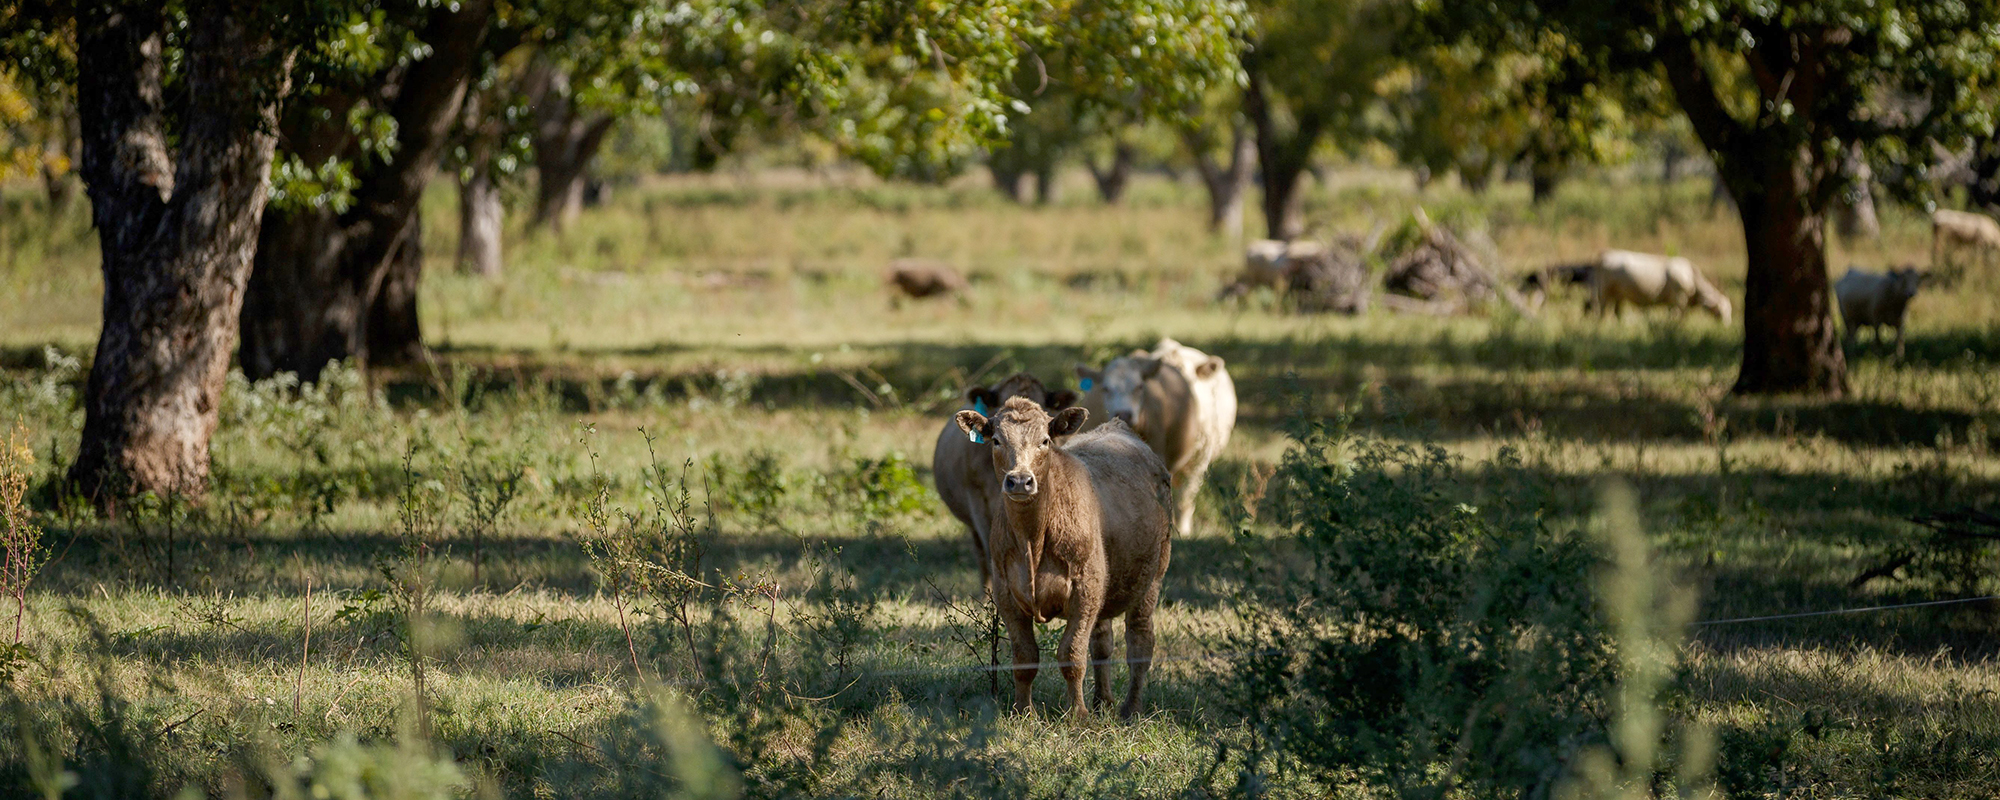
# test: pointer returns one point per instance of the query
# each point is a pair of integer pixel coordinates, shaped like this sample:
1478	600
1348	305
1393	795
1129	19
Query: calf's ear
1209	367
1067	421
1060	400
971	422
981	394
1148	368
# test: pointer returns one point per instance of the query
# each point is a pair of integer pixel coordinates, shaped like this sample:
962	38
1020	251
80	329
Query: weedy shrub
649	562
490	476
422	509
21	551
346	769
653	748
331	428
753	484
1418	644
47	398
879	488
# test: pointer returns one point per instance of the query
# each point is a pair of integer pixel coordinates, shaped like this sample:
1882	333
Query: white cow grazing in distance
1180	400
1954	229
1875	299
1644	279
1269	262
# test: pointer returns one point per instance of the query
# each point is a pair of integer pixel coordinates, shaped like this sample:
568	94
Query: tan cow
1084	533
1955	229
920	279
1180	400
963	469
1644	279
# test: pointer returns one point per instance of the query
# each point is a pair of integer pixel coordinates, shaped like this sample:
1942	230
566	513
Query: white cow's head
1121	384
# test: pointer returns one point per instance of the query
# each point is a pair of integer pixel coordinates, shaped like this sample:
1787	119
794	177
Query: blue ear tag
1087	383
979	406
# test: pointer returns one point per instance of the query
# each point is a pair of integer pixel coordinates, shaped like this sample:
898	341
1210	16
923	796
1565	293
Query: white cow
1644	279
1954	229
1179	400
1269	262
1875	299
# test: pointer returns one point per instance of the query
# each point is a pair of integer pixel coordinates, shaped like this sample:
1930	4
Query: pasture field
682	452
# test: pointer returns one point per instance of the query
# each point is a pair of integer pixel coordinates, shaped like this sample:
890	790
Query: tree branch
1695	90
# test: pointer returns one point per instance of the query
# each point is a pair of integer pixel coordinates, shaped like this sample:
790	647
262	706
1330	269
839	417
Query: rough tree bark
1007	178
1112	179
321	275
1225	182
1282	157
394	335
176	230
1789	340
566	138
481	217
1543	177
1854	214
1781	190
481	213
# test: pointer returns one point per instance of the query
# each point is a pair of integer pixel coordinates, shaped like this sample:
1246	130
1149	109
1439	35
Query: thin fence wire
983	668
1841	611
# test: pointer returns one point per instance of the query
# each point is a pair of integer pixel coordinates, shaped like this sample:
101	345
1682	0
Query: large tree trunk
481	217
1225	184
1006	177
566	138
319	274
394	335
1543	178
1113	179
1854	213
1282	158
1781	191
176	232
1789	341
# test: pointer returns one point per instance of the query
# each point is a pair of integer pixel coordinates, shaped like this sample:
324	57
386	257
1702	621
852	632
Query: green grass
726	317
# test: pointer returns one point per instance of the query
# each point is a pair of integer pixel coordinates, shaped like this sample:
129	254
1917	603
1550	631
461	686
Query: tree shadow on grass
1576	387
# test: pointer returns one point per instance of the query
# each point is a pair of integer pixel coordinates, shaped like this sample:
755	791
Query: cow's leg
1899	341
1139	637
1186	489
982	532
1074	648
1027	654
1100	663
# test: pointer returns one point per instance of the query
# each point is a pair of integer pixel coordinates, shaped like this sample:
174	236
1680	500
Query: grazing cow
1644	279
1084	533
1955	229
1534	287
1269	262
920	279
1875	299
963	469
1180	400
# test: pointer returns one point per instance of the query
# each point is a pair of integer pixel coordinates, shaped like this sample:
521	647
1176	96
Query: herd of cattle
1617	278
1072	501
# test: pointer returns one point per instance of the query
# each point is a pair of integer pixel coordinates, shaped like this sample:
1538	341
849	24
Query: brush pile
1435	273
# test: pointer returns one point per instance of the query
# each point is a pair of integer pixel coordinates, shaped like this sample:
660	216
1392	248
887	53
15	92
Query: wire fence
1230	656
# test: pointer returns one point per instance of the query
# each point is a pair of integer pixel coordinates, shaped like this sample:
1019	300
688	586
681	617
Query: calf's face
1121	384
1905	281
1022	436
